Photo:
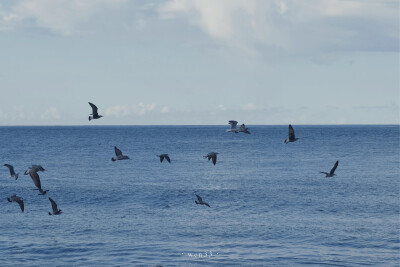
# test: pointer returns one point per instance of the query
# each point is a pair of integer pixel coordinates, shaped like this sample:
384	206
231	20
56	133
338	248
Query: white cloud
249	106
221	107
50	114
127	110
165	109
59	16
118	110
254	26
294	26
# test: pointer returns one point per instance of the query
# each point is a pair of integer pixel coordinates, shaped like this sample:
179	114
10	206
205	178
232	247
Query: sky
199	62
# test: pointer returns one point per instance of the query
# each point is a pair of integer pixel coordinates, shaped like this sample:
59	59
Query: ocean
270	205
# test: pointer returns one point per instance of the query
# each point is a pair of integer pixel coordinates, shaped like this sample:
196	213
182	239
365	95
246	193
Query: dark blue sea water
269	203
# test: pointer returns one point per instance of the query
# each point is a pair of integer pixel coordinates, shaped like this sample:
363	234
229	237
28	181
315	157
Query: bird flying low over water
94	114
233	127
15	198
56	211
33	173
291	138
332	172
243	129
118	154
200	201
164	156
213	156
12	172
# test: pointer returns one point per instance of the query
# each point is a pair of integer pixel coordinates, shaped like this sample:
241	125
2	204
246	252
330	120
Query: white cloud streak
128	110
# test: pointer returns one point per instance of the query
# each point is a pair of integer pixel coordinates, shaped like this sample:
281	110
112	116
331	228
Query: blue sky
199	62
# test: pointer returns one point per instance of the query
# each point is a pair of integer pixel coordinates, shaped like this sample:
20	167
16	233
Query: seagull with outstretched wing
200	201
12	172
95	114
291	138
332	172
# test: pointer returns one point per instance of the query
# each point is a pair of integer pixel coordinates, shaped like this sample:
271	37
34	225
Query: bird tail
113	159
9	200
286	141
194	202
90	118
50	213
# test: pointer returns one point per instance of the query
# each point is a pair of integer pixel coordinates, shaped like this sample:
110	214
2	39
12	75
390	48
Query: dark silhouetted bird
164	156
12	173
56	211
118	154
94	114
19	200
332	172
233	127
200	201
291	138
213	156
33	172
243	129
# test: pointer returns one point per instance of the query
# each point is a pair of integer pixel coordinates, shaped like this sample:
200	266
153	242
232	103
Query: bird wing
20	203
53	205
214	159
334	168
35	178
233	124
38	168
117	152
161	158
94	108
199	198
167	158
11	168
291	132
324	173
207	205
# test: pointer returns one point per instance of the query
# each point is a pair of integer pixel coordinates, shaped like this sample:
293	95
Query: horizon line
149	125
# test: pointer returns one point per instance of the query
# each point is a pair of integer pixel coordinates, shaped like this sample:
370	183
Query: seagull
119	155
19	200
12	173
291	138
233	127
56	211
200	201
243	129
213	156
94	112
162	156
33	172
332	172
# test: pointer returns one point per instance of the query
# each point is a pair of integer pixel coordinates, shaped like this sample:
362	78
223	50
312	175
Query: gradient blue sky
199	61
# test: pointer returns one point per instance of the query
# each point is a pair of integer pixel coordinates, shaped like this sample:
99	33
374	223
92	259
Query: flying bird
332	172
243	129
164	156
19	200
291	138
200	201
94	114
233	127
12	172
213	156
118	154
56	211
33	173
